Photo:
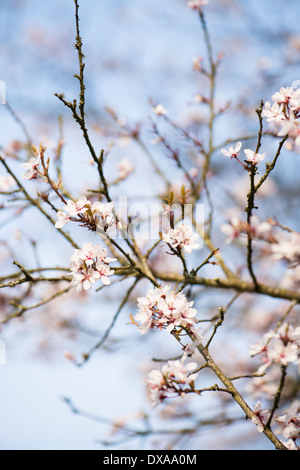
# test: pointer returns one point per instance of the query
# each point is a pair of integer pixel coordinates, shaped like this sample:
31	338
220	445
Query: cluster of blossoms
251	156
197	66
237	228
159	110
125	168
32	171
96	214
289	425
169	380
284	113
265	385
182	237
278	347
260	417
89	264
288	249
162	308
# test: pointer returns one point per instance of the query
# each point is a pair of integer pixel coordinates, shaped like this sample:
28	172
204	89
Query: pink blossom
283	95
261	345
31	168
290	445
99	213
79	207
288	333
258	229
182	373
278	347
72	209
254	157
159	110
125	167
84	279
288	249
291	127
290	421
104	209
89	264
169	380
104	213
260	417
156	384
264	385
273	113
197	63
162	308
237	228
232	152
63	218
104	271
280	353
197	4
284	113
233	229
182	237
294	102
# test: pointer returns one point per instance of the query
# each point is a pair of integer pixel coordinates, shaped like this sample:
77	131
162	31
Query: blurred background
136	53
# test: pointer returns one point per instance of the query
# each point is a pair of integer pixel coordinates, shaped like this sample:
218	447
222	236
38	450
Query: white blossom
260	417
104	213
278	347
253	157
169	380
283	95
197	63
233	229
78	207
89	264
125	167
196	4
232	152
159	110
290	445
288	249
280	353
31	168
289	421
182	237
237	228
162	308
63	218
274	112
72	209
284	113
96	214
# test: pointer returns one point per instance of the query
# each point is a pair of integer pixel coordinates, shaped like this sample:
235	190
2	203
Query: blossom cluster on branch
169	380
89	264
284	113
162	308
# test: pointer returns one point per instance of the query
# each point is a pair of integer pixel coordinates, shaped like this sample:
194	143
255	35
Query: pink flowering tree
208	271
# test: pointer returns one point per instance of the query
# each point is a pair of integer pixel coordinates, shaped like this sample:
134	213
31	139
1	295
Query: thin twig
99	344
